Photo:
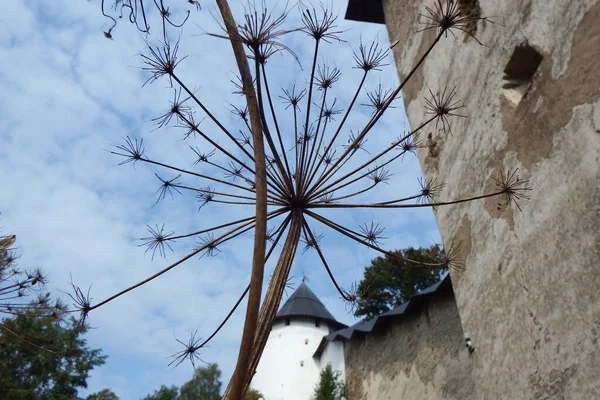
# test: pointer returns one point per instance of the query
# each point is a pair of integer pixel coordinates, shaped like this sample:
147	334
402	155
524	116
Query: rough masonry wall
530	292
419	356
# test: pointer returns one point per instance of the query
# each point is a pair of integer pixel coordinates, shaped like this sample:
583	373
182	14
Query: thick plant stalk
240	375
272	299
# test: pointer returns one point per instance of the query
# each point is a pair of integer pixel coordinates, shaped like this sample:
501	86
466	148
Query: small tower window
305	341
302	363
519	72
317	323
287	321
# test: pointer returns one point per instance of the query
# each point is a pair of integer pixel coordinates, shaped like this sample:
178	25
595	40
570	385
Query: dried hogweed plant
291	164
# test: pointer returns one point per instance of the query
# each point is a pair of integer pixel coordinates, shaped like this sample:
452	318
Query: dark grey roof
304	303
370	325
365	11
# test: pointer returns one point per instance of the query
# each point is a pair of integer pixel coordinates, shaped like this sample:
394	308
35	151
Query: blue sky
68	95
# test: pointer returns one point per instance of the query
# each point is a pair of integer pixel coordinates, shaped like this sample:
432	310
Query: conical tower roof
305	304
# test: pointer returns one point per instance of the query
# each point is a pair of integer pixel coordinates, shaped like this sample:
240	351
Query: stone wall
530	293
416	356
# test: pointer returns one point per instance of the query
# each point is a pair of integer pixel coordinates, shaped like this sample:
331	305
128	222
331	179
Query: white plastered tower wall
333	354
289	368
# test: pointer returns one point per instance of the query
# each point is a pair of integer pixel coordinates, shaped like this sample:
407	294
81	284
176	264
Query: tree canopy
330	385
253	394
164	393
18	286
205	385
389	281
105	394
52	372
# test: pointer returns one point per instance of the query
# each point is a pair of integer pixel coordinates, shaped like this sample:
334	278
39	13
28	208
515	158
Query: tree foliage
390	281
205	385
253	394
330	385
104	394
164	393
19	286
52	372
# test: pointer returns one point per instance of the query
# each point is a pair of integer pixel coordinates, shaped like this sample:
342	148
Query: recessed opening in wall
519	72
287	321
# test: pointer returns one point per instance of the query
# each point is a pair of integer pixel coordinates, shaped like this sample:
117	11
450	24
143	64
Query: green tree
164	393
330	386
18	286
253	394
205	385
52	372
389	281
104	394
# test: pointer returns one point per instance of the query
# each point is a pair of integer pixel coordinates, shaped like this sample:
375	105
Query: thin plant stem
308	105
386	105
274	117
389	204
338	130
355	236
169	267
308	232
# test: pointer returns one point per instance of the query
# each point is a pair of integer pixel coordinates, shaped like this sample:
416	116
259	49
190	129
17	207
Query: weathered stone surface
419	356
529	295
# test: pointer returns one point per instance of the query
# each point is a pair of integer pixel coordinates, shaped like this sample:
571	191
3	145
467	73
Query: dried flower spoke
512	187
450	14
329	112
354	145
242	113
291	98
430	190
320	25
157	240
190	351
81	302
379	175
378	99
161	60
370	58
209	245
443	106
167	187
177	108
310	240
452	257
373	233
409	143
133	150
327	76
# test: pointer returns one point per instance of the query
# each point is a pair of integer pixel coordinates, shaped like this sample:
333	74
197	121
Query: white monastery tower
297	349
